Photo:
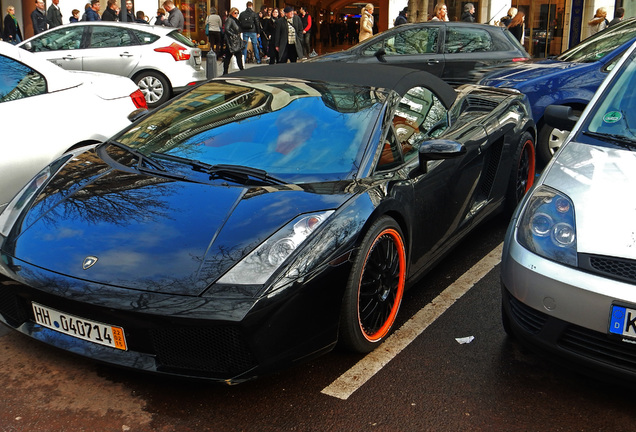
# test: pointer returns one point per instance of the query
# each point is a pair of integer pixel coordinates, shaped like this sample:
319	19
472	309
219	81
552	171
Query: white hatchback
160	60
45	110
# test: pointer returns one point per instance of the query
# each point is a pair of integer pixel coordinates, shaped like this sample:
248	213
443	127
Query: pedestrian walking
517	26
92	11
233	41
112	11
175	16
213	24
402	17
469	13
12	33
366	22
38	17
251	28
54	15
599	22
289	30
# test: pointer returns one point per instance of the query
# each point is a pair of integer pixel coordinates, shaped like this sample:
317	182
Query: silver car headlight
547	226
257	267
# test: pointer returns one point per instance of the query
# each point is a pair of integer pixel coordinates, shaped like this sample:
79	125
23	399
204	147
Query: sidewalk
319	48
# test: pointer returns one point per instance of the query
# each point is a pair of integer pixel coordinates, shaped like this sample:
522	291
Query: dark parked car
570	79
457	52
568	268
256	221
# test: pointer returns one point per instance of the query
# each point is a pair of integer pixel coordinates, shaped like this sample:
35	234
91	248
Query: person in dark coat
516	26
126	14
233	41
91	13
112	11
469	11
402	17
269	28
38	17
289	28
12	33
54	15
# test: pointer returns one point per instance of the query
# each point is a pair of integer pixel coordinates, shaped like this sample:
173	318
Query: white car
160	60
46	110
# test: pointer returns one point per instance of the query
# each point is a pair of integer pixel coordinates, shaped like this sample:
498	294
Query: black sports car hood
145	232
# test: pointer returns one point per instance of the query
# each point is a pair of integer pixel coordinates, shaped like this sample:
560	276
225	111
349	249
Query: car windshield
292	129
613	118
602	43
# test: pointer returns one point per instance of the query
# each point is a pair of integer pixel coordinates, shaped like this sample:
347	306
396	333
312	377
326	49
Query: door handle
432	61
69	57
125	54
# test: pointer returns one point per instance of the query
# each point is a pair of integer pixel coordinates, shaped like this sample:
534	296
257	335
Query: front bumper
565	311
220	339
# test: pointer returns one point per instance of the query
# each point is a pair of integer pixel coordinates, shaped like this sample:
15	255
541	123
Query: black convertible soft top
397	78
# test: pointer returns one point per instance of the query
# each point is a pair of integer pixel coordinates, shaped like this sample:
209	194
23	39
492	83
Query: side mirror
27	46
560	117
137	114
439	150
379	54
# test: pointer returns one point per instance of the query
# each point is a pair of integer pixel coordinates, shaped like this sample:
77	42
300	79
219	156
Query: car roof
396	78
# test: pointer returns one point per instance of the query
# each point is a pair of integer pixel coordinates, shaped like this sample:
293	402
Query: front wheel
154	86
375	287
550	140
522	171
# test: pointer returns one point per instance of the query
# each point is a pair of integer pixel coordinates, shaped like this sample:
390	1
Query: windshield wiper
234	172
620	140
142	159
241	172
195	164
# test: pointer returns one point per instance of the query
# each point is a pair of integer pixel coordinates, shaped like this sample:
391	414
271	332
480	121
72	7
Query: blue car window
19	81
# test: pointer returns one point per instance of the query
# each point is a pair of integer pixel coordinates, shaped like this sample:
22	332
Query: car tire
550	139
522	171
375	287
154	86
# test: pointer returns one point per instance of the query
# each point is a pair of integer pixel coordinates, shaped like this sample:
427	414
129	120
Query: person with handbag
233	41
213	25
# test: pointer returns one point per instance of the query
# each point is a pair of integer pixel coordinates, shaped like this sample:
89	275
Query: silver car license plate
82	328
623	321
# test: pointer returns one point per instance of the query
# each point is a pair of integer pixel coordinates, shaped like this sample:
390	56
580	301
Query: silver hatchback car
160	60
569	260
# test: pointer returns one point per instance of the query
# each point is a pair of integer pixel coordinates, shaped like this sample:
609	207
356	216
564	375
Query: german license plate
82	328
623	321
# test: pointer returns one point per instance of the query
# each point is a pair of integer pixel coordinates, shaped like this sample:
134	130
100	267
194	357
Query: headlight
257	267
547	226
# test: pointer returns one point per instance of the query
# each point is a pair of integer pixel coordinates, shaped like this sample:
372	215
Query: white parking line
360	373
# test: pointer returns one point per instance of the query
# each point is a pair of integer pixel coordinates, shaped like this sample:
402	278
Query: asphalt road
432	383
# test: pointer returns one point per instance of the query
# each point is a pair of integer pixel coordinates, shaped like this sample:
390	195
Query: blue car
570	79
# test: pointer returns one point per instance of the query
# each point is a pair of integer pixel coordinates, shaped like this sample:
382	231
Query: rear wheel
154	86
522	172
375	287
